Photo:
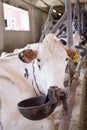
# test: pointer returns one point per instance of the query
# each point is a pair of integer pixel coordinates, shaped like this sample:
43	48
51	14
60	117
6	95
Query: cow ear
28	55
71	53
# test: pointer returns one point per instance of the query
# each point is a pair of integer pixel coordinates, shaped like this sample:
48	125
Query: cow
43	66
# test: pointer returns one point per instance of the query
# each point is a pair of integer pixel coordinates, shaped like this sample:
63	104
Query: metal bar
82	19
79	16
60	31
62	2
50	5
59	23
68	9
65	122
64	125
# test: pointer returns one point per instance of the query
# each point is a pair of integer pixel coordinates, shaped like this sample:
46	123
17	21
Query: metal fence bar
65	122
59	23
68	9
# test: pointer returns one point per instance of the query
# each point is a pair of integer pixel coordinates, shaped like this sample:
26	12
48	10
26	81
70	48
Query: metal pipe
59	23
82	19
60	31
79	16
65	122
68	9
62	2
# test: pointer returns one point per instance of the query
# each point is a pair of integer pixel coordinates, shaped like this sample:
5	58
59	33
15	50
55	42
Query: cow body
16	80
14	87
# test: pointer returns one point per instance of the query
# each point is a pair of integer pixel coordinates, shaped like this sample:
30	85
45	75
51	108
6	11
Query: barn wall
18	39
1	28
39	20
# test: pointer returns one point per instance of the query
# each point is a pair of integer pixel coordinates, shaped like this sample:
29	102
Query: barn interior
24	22
12	38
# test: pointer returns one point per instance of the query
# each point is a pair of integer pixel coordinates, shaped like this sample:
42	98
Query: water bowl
35	108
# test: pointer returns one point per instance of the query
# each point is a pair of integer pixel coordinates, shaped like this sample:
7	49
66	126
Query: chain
47	21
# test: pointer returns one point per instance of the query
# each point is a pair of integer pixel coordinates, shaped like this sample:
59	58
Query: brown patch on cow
29	55
71	53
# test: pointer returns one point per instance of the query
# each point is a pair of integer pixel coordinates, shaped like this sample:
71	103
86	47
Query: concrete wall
1	28
17	39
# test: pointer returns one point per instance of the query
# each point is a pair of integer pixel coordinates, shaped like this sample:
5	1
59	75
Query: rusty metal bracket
57	95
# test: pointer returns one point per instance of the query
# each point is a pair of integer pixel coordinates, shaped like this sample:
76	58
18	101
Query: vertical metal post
82	21
68	10
64	125
79	16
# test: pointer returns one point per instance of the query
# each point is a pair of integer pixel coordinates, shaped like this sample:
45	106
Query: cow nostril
66	59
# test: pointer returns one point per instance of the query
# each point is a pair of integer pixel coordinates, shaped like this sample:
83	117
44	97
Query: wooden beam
45	3
28	3
50	5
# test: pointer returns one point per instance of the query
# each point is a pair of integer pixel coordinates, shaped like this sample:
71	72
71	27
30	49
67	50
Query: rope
38	88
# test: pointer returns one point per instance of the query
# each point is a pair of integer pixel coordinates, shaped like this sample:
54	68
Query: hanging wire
47	21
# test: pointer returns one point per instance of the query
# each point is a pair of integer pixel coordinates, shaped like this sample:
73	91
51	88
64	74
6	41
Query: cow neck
34	81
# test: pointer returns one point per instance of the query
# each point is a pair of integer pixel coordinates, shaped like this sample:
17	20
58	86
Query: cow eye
38	60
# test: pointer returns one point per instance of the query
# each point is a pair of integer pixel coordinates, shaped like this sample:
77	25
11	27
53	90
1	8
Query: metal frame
68	10
59	23
68	16
65	122
79	15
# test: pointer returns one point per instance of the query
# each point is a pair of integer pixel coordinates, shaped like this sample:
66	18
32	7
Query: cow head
51	56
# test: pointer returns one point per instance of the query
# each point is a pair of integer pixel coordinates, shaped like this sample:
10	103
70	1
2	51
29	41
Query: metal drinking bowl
35	108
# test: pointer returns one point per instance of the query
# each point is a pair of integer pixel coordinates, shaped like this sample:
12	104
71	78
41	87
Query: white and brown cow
47	63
